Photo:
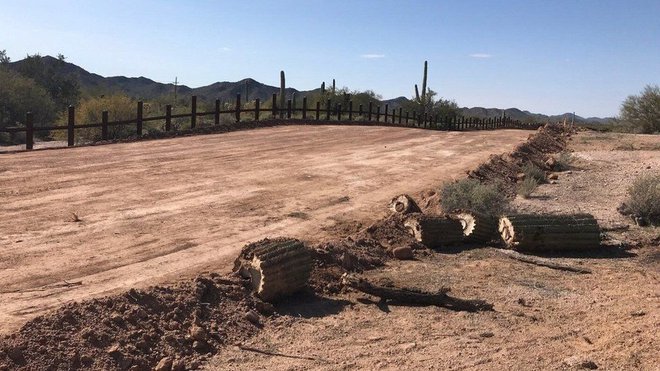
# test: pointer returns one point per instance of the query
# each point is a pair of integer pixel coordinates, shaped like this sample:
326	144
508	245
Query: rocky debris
253	317
506	169
165	364
403	253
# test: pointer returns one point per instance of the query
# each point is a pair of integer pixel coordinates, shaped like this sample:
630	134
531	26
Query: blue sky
550	56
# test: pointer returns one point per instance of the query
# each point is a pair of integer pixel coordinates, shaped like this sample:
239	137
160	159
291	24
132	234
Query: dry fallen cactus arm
411	296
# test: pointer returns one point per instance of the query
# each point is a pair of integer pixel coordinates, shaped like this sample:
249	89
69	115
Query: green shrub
644	198
470	194
532	171
527	186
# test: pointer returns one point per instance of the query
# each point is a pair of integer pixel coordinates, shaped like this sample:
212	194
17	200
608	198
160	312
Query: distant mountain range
92	84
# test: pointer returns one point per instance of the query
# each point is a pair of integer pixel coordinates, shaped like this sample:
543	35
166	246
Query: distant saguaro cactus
333	87
426	69
282	89
323	87
422	99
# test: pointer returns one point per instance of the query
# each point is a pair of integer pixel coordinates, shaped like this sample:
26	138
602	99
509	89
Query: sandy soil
84	222
543	318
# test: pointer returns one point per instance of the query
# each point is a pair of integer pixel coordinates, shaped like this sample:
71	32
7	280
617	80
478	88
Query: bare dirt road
83	222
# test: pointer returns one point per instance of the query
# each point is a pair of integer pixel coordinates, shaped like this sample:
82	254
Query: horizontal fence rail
320	112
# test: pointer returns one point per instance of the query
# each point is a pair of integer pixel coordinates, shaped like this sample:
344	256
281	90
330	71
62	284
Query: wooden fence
369	115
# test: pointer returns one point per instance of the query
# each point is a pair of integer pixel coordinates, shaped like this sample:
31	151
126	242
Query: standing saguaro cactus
282	89
422	99
323	87
426	68
333	87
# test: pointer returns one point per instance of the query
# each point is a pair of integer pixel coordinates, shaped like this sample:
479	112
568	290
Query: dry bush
527	186
470	194
644	198
564	161
120	107
534	172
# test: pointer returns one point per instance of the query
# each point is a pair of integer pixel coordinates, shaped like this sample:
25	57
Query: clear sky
545	56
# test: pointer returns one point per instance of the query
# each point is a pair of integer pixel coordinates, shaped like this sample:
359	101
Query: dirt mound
505	168
176	326
367	249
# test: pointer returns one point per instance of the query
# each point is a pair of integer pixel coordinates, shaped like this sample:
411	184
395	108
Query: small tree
642	112
19	95
4	58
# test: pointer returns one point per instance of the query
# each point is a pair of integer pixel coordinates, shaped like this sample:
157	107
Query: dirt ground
86	222
542	318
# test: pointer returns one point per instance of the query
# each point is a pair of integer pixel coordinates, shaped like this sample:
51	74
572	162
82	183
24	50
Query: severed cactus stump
276	267
435	231
477	227
404	204
550	232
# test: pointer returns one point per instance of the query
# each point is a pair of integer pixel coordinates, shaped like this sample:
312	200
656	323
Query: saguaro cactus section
404	204
549	232
276	267
435	231
477	227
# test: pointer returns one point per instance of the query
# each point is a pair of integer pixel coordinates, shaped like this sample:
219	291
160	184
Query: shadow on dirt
310	305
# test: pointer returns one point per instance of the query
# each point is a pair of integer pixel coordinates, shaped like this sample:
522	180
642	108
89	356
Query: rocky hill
92	84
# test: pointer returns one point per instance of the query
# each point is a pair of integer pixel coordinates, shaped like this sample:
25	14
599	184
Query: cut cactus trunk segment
276	267
550	232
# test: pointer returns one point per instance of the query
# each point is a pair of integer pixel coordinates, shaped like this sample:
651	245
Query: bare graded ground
85	222
543	318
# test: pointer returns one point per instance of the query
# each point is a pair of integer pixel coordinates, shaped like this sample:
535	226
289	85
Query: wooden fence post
29	131
238	108
168	117
371	104
104	125
339	112
274	108
414	117
304	108
394	115
257	104
400	114
216	114
193	112
288	108
360	112
327	111
387	108
407	117
350	110
377	113
70	125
